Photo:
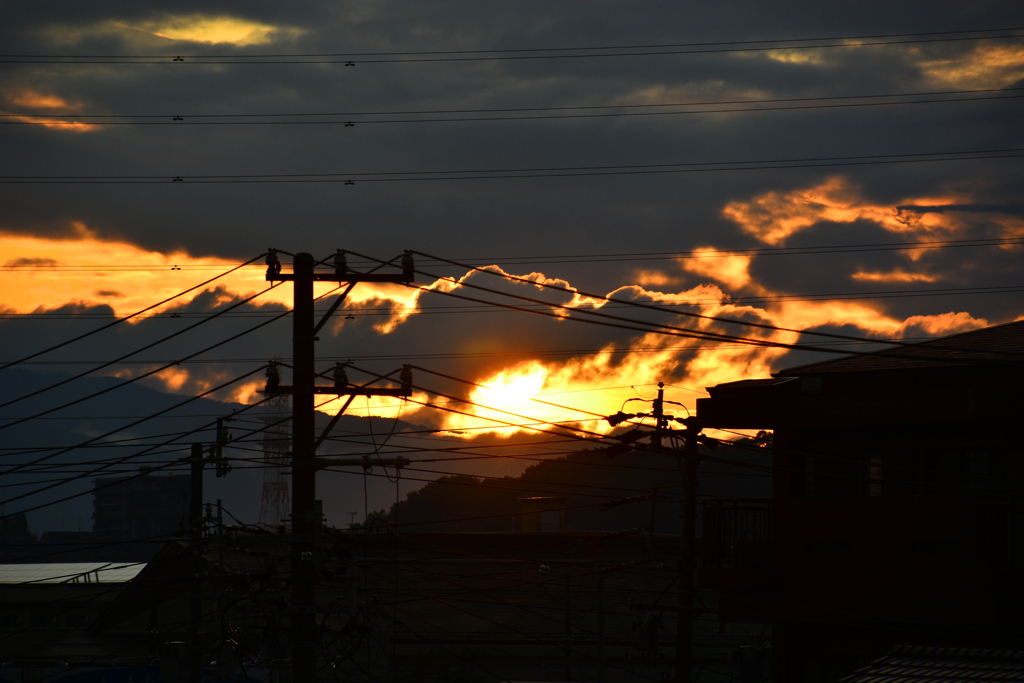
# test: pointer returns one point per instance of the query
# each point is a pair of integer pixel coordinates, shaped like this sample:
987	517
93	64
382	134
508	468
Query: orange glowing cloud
200	28
401	300
58	124
173	378
31	99
656	278
693	91
191	382
985	66
1011	226
944	323
593	385
774	216
589	386
42	273
789	56
36	101
731	270
897	275
83	269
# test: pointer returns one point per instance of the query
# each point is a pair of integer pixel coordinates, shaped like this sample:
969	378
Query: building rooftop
995	345
69	572
913	664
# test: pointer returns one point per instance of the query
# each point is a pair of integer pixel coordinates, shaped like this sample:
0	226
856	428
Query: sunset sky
713	205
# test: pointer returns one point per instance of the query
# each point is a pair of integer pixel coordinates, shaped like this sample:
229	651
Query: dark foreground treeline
600	493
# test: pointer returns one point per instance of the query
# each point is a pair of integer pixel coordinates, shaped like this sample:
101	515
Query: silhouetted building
16	541
912	664
134	515
47	612
542	513
898	506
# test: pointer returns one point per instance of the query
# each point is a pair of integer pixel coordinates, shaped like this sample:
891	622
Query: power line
604	258
130	316
540	172
522	54
637	304
541	49
481	174
94	439
667	305
724	253
98	438
139	377
124	459
349	122
635	325
411	112
132	353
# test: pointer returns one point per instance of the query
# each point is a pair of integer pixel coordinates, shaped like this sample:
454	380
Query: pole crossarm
348	391
366	462
307	511
341	273
343	277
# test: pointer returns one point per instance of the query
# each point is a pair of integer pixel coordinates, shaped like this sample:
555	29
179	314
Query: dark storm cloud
555	213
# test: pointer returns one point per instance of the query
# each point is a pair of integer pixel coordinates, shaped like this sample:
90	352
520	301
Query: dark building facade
898	505
134	515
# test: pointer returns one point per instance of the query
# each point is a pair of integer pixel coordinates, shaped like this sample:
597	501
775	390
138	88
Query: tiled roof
915	664
999	344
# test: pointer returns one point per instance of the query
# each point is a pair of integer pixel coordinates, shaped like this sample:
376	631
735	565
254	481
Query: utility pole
688	518
195	518
687	554
687	533
223	437
660	422
307	513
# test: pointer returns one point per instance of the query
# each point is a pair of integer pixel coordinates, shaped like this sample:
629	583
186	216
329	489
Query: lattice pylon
274	502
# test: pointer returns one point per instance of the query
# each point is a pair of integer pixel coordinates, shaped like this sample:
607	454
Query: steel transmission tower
275	502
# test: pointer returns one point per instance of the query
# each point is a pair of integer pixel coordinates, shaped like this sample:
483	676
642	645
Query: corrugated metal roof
70	572
999	344
916	664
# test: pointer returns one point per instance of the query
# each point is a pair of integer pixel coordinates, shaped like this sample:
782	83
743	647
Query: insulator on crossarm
406	379
273	263
408	266
273	376
618	418
340	377
340	264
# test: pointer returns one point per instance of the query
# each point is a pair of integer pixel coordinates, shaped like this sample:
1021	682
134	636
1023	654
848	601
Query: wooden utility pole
687	555
688	517
306	509
195	519
688	462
